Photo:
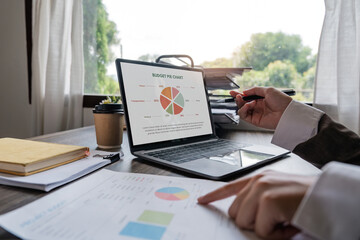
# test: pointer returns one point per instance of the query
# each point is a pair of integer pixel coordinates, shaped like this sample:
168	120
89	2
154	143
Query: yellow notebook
25	157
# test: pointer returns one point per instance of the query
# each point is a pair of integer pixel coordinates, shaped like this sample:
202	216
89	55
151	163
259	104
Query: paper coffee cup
109	124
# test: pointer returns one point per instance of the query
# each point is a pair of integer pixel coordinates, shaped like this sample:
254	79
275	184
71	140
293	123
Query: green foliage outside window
278	60
100	34
219	63
148	57
264	48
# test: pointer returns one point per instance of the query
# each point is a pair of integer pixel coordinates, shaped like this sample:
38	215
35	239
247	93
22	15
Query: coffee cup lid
109	108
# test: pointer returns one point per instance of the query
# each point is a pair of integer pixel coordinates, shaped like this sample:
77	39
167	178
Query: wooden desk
12	197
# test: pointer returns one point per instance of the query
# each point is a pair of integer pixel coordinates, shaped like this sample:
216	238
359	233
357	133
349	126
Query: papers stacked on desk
225	116
58	176
223	107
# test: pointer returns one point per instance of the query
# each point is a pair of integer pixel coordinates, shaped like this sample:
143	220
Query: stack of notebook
25	157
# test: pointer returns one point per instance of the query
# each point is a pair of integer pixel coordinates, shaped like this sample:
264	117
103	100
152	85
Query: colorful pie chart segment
172	193
172	101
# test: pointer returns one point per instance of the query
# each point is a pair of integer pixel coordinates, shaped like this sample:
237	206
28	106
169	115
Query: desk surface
12	197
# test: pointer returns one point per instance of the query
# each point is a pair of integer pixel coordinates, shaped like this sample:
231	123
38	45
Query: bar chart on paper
172	100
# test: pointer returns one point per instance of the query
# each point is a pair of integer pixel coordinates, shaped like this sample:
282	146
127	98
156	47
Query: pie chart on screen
172	101
172	193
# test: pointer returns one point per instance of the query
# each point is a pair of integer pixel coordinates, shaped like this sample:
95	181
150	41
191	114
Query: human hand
264	112
264	203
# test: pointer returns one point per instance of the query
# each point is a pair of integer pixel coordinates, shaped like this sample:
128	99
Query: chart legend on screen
172	193
172	100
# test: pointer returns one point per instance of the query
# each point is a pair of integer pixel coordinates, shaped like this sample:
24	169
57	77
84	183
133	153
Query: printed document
115	205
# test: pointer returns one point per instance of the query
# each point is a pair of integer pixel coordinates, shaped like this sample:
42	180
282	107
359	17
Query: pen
289	92
225	100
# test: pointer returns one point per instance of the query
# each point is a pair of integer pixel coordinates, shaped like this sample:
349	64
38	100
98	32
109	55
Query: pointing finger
224	192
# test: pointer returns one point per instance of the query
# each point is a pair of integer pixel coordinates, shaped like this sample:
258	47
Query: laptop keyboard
195	151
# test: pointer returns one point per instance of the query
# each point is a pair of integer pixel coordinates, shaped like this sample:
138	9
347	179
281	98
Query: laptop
170	123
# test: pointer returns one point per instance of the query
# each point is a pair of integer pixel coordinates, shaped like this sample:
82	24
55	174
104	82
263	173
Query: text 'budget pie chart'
172	193
172	100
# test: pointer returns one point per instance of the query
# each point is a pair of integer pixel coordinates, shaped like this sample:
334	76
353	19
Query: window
278	38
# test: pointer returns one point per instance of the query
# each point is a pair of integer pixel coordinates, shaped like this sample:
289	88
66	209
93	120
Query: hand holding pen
265	113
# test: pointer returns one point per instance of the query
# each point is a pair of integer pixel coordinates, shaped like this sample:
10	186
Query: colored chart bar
161	218
144	231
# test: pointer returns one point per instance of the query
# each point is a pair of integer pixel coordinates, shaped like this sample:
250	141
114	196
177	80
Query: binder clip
112	157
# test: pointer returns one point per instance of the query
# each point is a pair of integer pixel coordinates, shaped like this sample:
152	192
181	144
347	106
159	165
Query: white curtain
337	85
57	65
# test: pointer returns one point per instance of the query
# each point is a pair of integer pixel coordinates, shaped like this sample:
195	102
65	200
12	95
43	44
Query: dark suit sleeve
333	142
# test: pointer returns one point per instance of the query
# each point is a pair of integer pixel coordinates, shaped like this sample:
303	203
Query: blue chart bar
145	231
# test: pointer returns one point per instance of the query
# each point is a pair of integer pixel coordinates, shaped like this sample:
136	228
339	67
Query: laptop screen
164	103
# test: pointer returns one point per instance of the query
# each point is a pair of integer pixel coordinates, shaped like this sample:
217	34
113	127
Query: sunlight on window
278	38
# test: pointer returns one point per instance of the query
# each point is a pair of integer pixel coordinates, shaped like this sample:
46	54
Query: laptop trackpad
218	165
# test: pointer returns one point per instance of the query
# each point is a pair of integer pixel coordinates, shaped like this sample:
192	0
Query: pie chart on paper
172	101
172	193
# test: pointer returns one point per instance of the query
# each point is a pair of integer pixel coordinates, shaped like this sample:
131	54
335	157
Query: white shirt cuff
329	210
298	124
